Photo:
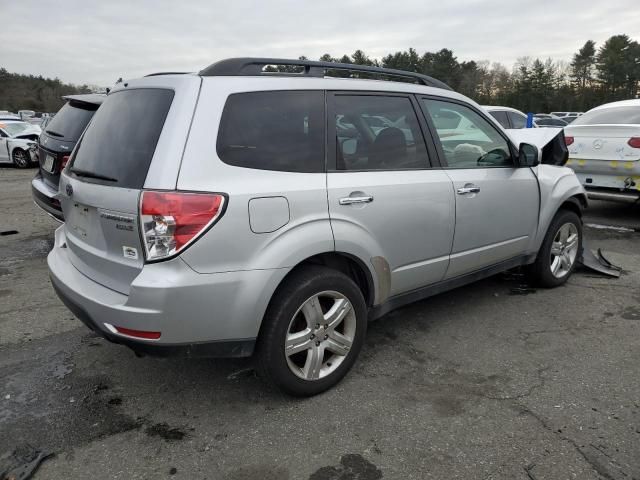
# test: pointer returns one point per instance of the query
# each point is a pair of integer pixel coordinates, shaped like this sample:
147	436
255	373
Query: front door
497	202
4	148
386	203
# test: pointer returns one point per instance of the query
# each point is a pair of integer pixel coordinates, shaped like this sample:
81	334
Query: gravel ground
488	381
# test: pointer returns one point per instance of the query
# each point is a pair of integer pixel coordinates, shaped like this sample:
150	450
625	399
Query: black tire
540	273
20	158
272	362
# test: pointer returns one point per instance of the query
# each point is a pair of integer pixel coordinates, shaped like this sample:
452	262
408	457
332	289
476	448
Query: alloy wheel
20	158
564	250
320	335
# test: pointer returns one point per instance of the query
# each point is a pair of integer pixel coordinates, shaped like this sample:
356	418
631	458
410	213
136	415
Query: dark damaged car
55	145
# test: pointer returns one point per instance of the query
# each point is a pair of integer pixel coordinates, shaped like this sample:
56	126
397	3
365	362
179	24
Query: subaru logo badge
69	190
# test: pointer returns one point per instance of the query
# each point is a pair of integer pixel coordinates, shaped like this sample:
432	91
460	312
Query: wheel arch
352	266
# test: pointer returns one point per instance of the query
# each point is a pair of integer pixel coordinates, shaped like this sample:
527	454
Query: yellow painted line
613	163
582	162
628	165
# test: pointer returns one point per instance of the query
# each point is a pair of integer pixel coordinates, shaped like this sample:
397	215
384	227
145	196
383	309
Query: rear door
497	203
135	140
386	202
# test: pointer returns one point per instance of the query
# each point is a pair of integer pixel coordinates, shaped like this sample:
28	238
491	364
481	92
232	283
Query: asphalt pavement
494	380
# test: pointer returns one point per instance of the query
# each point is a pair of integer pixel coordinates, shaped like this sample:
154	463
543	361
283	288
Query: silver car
236	212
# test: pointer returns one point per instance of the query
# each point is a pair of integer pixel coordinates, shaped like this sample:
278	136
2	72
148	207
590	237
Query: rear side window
612	116
71	120
517	120
391	141
119	145
501	117
275	130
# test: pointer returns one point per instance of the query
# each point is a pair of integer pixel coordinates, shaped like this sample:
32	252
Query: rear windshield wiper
55	134
97	176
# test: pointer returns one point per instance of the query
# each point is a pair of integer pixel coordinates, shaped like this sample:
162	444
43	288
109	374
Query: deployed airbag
550	142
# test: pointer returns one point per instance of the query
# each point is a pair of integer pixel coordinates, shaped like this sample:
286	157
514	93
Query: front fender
557	186
12	144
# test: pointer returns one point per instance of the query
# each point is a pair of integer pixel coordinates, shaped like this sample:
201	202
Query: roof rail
254	66
165	73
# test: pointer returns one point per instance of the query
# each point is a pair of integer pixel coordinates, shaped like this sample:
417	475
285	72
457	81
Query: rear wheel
559	252
20	158
312	332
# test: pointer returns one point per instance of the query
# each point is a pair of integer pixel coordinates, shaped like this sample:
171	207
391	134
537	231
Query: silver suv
239	211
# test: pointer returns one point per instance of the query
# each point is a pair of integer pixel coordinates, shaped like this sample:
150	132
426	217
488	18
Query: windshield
609	116
15	128
71	120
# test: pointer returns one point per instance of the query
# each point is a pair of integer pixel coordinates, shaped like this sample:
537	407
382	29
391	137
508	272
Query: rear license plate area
49	161
79	221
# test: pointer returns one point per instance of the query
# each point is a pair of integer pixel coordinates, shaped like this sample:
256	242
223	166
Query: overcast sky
95	42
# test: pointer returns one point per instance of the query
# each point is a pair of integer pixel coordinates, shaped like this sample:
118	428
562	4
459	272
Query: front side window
517	120
276	130
377	132
470	142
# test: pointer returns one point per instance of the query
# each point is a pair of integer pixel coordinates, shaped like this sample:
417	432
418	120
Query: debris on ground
22	463
598	263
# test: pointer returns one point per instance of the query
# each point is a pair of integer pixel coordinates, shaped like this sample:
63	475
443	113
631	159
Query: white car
509	118
604	150
18	143
567	116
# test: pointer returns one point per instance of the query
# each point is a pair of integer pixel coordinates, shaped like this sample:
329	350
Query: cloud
83	42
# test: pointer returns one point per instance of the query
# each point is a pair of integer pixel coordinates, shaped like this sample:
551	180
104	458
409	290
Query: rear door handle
359	199
468	188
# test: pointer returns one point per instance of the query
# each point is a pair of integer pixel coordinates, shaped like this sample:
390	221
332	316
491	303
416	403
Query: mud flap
598	263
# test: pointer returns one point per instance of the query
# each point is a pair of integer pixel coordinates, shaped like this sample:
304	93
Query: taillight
64	162
172	220
568	140
634	142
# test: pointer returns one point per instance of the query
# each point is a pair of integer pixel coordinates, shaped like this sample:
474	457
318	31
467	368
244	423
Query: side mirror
528	155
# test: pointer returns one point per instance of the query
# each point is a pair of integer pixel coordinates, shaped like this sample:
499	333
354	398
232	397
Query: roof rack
255	66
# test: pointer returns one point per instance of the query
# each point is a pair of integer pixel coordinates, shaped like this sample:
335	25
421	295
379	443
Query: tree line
595	75
28	92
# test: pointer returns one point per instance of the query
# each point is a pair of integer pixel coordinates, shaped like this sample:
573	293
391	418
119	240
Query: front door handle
353	200
468	188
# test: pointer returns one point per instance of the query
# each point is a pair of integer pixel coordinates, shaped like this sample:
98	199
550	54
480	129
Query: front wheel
559	252
312	332
20	158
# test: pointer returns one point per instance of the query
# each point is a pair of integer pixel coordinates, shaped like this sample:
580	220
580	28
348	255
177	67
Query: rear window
71	120
613	115
276	130
119	145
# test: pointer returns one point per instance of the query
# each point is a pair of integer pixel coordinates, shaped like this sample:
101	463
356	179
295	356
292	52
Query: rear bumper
43	197
197	314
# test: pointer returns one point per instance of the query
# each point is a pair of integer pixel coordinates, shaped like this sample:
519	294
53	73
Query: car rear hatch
604	148
135	142
60	136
